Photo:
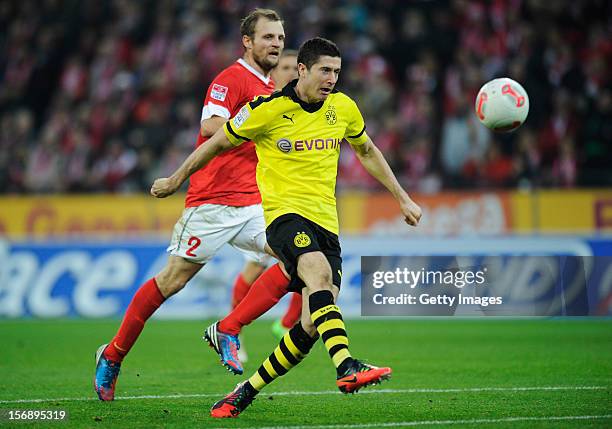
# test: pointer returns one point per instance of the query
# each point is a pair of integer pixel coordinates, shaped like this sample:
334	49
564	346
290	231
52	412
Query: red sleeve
223	96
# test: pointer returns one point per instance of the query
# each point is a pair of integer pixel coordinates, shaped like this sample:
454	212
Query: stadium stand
105	96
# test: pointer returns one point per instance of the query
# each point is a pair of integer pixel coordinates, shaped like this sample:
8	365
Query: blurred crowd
99	96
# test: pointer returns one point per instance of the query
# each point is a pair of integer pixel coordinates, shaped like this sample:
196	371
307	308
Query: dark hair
248	23
312	49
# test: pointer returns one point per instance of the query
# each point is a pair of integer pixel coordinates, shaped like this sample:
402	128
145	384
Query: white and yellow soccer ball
502	104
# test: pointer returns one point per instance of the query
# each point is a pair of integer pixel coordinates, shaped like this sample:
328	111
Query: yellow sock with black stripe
292	348
327	318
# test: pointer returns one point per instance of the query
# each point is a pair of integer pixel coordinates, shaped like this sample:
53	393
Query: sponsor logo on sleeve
240	117
218	92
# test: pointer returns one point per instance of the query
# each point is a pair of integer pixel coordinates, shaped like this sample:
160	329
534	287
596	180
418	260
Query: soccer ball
502	104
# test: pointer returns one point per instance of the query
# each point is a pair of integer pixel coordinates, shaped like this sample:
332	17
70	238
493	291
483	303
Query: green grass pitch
446	373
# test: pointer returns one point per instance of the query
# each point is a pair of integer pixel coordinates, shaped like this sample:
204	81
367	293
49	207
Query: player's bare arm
216	145
374	162
209	127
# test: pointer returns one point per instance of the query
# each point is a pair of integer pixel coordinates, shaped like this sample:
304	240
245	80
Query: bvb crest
330	115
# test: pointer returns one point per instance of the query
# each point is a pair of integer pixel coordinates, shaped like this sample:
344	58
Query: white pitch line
437	422
326	392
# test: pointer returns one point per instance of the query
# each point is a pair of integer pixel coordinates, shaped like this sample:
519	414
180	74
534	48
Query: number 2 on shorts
194	242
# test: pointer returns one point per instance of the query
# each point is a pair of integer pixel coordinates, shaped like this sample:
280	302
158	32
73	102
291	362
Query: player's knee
175	275
172	279
314	269
169	285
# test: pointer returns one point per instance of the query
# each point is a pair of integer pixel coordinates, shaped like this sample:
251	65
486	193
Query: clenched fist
163	187
411	211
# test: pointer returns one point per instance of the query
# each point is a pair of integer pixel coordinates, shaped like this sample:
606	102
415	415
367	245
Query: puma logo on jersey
290	118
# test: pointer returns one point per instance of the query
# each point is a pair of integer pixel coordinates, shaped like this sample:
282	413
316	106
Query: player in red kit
223	204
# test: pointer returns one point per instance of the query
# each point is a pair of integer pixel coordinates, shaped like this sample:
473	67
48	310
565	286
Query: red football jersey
229	179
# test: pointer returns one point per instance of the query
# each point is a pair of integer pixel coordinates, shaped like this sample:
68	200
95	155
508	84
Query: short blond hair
248	23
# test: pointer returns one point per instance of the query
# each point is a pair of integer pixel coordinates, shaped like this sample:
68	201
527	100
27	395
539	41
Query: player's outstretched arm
376	164
217	144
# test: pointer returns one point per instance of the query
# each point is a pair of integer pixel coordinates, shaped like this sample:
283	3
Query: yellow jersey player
298	133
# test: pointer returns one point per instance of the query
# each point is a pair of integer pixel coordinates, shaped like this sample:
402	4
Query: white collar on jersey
246	65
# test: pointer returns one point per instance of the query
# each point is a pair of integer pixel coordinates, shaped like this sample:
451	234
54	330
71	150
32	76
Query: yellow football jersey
298	145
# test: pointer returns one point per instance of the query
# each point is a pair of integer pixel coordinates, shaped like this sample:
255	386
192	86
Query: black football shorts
292	235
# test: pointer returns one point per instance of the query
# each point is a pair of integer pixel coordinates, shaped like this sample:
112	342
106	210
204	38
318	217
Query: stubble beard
265	65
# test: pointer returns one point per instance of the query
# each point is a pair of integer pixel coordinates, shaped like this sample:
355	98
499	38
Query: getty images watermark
407	278
484	285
